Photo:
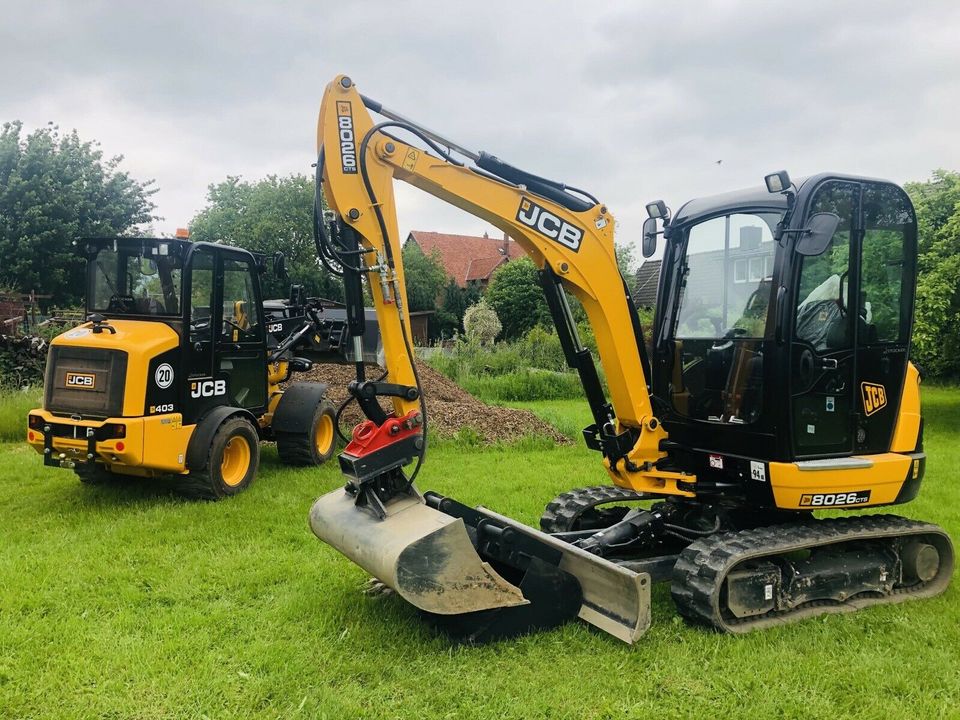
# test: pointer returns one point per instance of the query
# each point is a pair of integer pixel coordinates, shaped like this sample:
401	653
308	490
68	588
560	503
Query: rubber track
562	512
702	567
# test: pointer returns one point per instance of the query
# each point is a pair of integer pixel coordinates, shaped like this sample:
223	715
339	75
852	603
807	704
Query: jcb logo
348	141
549	225
81	381
208	388
874	397
275	327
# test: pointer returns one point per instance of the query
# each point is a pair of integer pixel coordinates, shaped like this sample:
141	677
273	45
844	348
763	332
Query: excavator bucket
480	575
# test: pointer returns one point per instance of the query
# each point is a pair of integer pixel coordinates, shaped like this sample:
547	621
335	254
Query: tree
936	336
481	323
456	300
275	213
516	296
424	275
627	264
55	189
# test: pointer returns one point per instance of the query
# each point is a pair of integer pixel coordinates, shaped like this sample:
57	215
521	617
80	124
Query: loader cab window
201	296
135	280
241	317
722	317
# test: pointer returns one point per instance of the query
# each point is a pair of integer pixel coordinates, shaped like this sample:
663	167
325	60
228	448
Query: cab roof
754	198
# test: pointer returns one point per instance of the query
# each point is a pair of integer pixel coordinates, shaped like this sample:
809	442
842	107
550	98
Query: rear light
35	422
120	446
30	436
114	431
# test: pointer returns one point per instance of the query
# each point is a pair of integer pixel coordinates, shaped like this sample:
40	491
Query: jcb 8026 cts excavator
777	383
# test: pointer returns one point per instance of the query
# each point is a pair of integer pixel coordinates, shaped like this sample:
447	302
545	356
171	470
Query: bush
532	368
481	323
524	384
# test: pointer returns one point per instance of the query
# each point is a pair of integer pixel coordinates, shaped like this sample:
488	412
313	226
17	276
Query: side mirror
649	245
817	234
279	265
777	182
657	209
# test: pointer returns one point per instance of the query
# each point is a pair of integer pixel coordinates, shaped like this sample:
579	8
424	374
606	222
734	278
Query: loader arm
569	236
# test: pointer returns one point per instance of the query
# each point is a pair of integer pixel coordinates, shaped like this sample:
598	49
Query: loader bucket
428	553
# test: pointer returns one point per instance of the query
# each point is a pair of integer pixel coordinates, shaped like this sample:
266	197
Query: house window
740	271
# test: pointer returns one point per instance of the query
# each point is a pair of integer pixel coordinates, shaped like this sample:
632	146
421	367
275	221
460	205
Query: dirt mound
450	408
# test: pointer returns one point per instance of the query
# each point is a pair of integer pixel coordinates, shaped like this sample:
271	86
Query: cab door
885	311
823	357
241	353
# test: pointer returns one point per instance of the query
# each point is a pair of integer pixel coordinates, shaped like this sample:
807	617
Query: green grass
129	602
14	406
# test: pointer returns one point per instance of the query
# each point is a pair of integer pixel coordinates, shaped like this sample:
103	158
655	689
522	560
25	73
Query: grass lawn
129	602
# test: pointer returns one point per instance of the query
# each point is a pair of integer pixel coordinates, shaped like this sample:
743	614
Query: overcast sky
631	101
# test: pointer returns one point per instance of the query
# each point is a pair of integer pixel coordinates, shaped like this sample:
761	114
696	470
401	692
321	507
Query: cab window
887	246
201	296
729	272
241	317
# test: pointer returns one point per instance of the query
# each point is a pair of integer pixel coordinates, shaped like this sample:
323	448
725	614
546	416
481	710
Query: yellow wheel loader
774	383
178	371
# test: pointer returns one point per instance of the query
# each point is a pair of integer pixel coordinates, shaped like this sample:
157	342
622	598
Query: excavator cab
748	308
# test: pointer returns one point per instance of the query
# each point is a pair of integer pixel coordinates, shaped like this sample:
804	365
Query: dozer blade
440	557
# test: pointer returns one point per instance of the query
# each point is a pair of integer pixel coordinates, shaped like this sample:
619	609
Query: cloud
632	101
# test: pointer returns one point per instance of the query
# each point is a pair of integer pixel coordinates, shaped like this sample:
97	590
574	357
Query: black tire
232	462
94	473
316	444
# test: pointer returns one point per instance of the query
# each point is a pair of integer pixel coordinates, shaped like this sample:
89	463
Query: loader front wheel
315	444
232	462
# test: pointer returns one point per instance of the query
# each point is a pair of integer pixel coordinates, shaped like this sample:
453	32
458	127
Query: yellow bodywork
882	475
141	341
908	420
155	444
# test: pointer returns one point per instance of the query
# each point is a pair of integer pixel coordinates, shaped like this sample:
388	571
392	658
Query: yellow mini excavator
774	383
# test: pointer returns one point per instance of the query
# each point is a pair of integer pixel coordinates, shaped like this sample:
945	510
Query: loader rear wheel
580	509
232	462
316	444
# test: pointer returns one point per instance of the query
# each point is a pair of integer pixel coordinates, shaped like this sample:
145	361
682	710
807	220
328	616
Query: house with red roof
468	259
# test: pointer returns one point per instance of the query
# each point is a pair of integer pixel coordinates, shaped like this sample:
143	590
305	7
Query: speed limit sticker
163	376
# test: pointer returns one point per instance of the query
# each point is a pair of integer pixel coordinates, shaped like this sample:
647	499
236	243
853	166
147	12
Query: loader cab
770	345
210	296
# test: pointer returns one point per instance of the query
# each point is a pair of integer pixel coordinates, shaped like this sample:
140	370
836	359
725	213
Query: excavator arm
568	234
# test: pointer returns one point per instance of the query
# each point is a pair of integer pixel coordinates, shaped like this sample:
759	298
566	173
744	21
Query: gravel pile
450	408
